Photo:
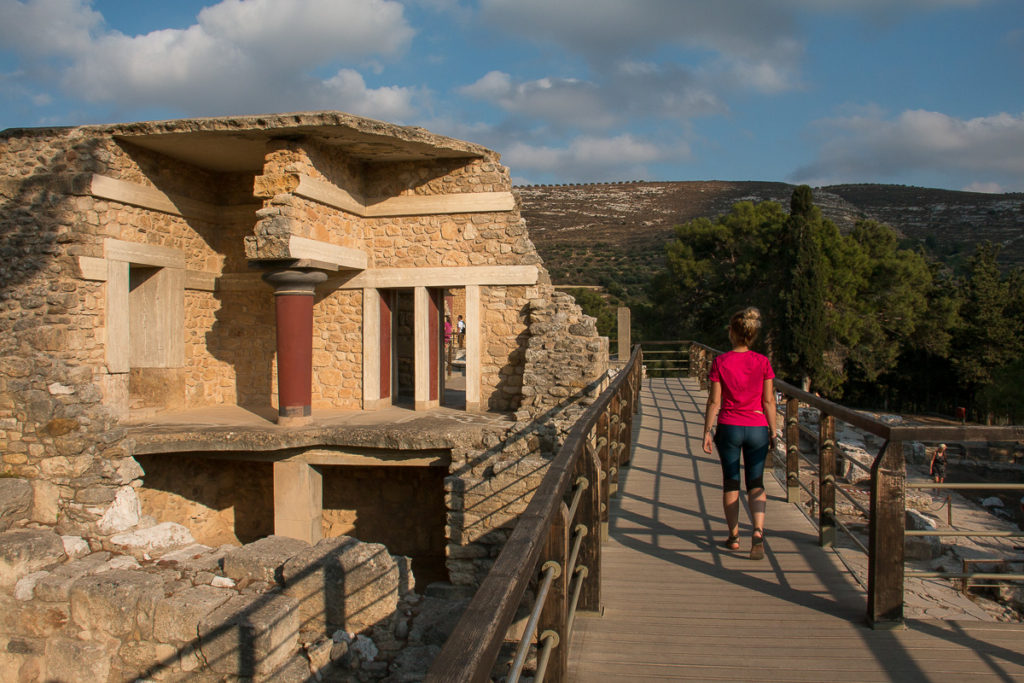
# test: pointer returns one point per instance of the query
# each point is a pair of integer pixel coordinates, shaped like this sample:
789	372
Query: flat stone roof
238	143
235	430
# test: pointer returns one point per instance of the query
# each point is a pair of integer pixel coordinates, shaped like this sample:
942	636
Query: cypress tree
801	332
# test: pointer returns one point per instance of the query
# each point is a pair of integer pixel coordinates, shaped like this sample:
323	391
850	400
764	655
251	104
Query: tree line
856	317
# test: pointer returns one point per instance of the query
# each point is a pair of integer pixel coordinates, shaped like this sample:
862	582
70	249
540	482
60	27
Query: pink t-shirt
742	375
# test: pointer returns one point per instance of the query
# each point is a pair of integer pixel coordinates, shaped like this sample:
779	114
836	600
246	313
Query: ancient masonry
231	445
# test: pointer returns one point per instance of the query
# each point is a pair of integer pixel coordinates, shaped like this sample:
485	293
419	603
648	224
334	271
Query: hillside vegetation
614	234
911	310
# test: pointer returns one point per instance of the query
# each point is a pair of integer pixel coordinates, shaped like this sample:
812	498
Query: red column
293	300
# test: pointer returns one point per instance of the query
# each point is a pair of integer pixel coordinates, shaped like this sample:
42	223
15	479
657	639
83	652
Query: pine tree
989	337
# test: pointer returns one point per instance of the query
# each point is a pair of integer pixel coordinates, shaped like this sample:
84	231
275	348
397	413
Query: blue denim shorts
752	442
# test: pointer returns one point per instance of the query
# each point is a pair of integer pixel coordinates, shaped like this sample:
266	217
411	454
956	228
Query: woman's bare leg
731	504
757	499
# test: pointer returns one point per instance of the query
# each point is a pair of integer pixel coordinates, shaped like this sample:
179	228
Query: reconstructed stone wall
564	367
59	404
502	342
491	238
54	430
57	398
337	351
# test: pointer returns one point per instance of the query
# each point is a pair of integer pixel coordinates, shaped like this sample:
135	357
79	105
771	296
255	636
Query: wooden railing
888	477
667	358
556	546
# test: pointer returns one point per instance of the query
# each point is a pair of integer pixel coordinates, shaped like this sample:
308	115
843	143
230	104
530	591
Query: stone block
75	546
177	618
344	583
70	659
15	667
154	541
45	502
25	588
122	514
196	558
15	501
262	560
24	551
250	635
56	587
922	547
296	668
143	660
411	665
118	602
406	578
42	620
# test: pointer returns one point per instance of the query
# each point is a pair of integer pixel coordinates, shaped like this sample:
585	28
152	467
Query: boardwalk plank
678	607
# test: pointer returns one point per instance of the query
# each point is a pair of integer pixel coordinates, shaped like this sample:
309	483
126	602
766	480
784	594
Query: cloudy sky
918	92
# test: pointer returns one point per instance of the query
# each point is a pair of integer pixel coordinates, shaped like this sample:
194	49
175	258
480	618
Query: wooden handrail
886	526
472	648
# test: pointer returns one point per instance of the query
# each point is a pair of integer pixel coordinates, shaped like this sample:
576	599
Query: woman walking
742	400
938	465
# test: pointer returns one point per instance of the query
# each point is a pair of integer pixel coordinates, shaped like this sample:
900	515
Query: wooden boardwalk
678	607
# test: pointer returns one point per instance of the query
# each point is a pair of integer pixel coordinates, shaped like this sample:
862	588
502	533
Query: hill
613	234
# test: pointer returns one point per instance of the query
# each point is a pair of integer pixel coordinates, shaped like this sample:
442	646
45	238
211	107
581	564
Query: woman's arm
711	413
768	406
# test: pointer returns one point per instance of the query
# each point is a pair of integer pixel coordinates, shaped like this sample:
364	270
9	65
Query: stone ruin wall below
541	356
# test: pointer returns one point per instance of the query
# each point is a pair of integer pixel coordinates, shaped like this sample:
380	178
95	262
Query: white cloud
240	57
494	86
558	101
987	188
632	91
591	158
987	150
347	91
610	29
304	32
48	27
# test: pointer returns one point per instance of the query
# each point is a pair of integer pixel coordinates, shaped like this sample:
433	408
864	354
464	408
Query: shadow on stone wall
490	488
244	336
51	404
322	595
220	501
508	395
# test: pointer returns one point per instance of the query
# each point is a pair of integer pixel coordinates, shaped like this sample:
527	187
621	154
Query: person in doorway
447	330
460	329
740	421
938	465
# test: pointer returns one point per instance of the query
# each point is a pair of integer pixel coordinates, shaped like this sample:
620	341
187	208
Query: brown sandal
732	543
757	545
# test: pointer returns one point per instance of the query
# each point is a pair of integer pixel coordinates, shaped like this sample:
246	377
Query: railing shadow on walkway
649	523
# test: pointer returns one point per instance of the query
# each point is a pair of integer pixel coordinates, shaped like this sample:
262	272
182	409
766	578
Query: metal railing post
604	458
826	481
885	538
792	450
589	515
555	613
626	414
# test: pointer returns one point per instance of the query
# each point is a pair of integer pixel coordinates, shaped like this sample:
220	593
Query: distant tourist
938	467
741	398
460	328
447	330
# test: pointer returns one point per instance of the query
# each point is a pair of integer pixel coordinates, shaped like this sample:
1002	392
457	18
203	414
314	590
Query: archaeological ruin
236	439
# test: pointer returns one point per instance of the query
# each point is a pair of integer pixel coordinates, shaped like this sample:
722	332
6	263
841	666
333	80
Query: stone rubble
930	510
188	611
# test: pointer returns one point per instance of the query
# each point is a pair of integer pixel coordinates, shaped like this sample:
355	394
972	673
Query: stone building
236	324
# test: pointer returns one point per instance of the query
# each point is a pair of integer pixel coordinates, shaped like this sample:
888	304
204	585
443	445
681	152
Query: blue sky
916	92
